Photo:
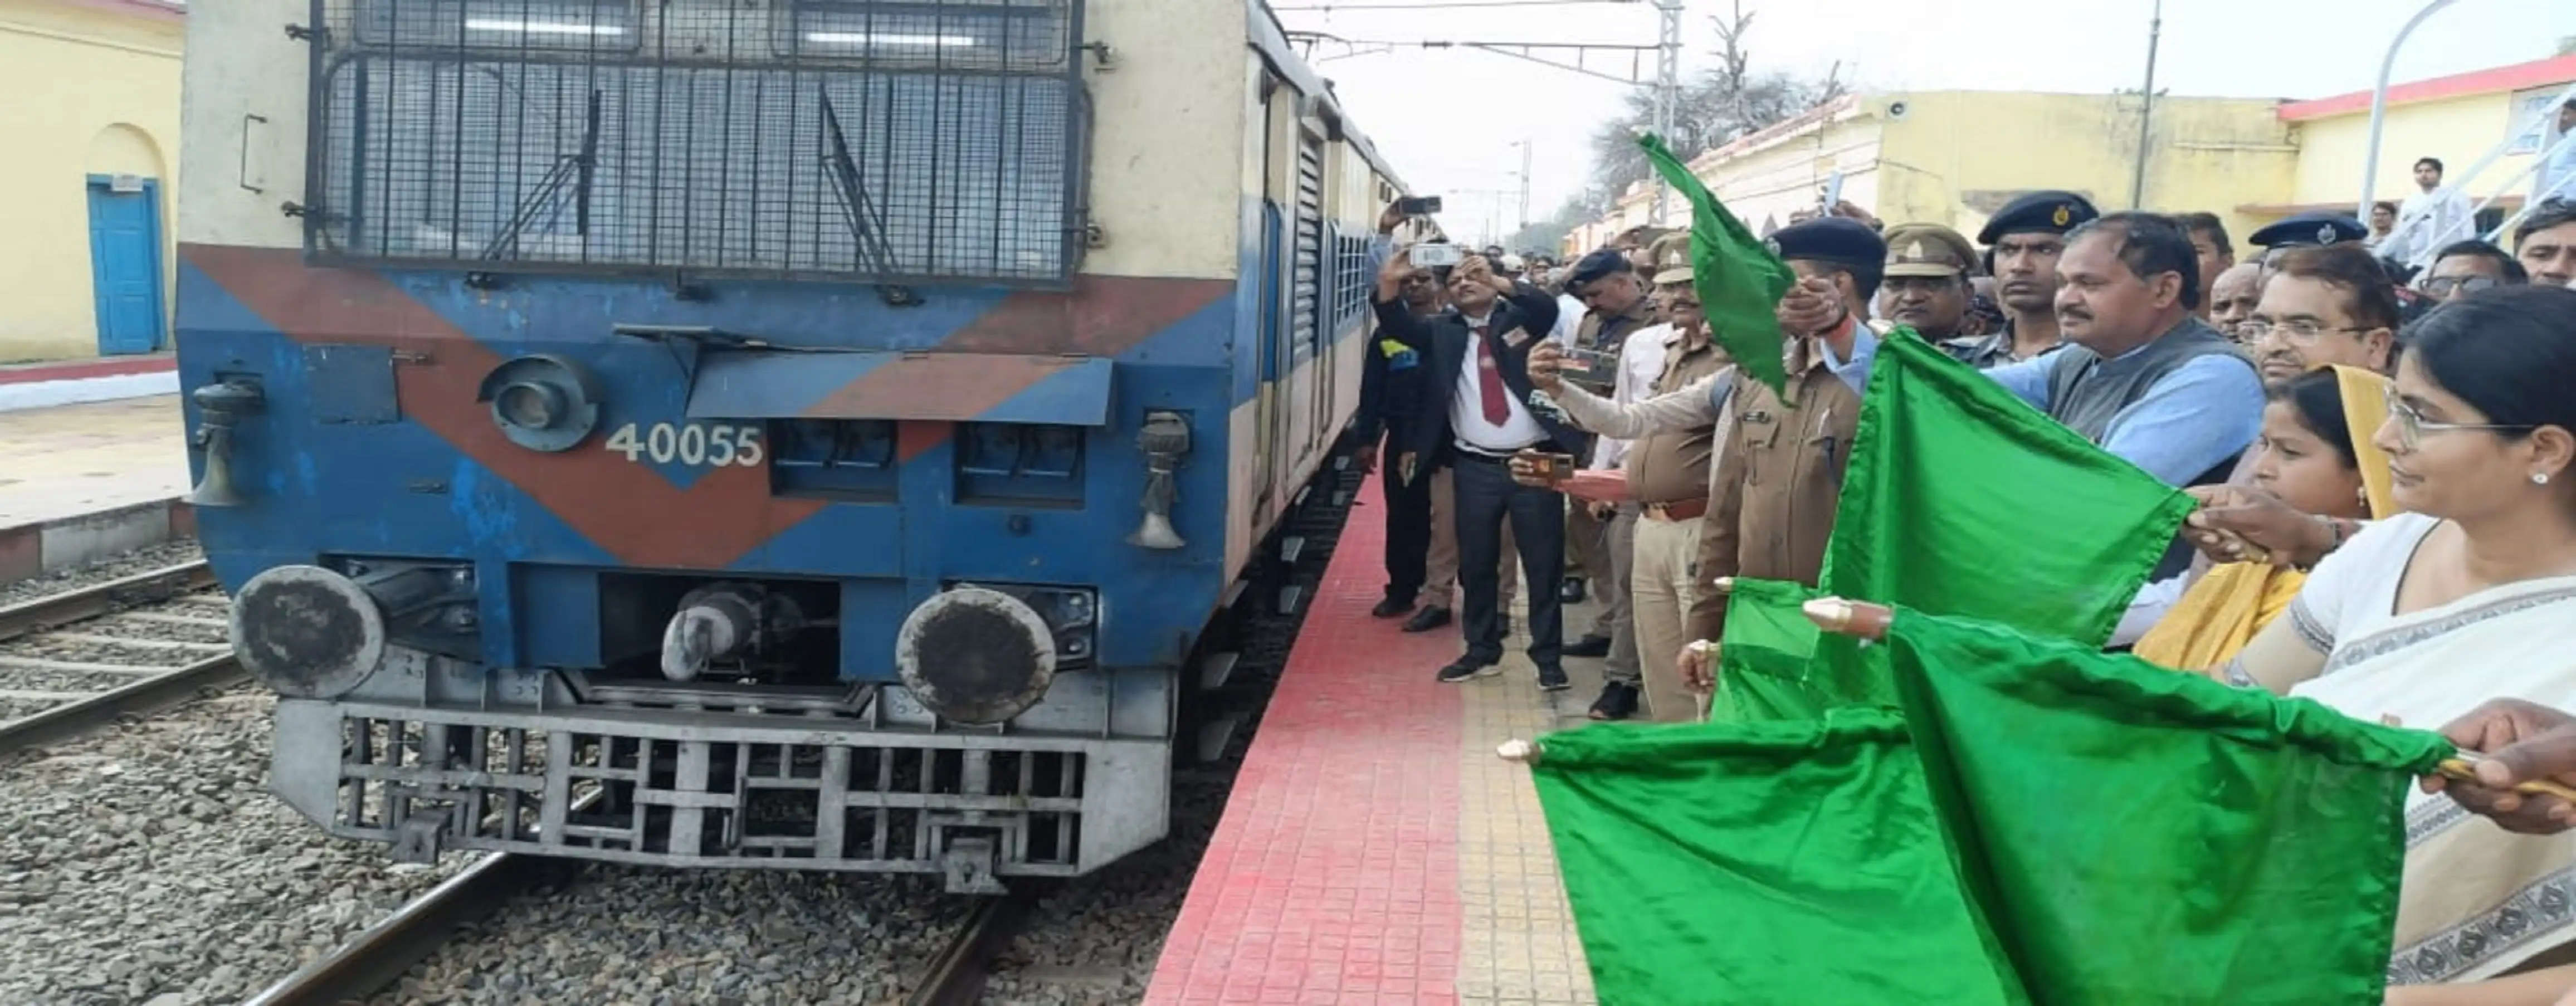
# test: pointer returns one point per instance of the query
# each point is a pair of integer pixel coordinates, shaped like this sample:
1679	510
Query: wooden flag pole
1863	620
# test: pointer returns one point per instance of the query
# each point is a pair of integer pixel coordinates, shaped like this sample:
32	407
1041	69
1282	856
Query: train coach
754	433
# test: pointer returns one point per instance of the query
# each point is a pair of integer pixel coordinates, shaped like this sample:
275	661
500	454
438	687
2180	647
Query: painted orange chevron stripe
628	510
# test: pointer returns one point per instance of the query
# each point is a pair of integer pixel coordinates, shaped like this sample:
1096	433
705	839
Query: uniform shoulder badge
2063	214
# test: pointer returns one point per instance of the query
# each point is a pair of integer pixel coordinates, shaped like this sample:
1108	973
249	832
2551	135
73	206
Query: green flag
1758	863
1963	500
2134	835
2044	824
1770	646
1739	279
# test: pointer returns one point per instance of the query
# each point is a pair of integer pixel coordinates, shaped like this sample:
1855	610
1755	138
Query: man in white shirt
2430	220
2558	171
1477	354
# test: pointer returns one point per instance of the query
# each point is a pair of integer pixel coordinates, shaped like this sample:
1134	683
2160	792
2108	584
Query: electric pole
1668	86
2146	111
1524	220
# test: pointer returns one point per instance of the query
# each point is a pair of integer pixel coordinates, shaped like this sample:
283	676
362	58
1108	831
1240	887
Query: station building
1954	157
88	182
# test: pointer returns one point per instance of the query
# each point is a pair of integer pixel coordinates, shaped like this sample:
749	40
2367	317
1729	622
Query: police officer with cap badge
1929	281
2308	230
2023	241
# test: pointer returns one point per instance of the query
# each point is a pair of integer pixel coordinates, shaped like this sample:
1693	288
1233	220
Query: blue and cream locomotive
754	433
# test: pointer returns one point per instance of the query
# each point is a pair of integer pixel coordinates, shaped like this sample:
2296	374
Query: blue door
125	264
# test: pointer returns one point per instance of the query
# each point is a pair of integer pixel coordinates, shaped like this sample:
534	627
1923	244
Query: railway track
73	661
379	956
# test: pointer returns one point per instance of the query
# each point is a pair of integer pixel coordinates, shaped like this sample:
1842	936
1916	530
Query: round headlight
307	632
975	656
530	405
542	403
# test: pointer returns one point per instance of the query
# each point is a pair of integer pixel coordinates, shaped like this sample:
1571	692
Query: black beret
2049	210
1598	265
1831	239
2310	229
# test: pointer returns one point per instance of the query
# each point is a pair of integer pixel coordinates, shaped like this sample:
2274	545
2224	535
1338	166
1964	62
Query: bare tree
1723	103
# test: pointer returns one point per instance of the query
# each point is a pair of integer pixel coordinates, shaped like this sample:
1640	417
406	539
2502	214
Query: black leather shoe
1430	617
1390	608
1588	646
1571	592
1467	669
1552	679
1618	701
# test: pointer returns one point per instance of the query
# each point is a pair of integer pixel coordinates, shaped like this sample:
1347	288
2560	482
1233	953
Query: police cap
1928	250
2310	229
1672	259
1599	265
1840	240
2050	211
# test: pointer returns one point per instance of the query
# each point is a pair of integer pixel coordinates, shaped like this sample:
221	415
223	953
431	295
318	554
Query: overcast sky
1410	102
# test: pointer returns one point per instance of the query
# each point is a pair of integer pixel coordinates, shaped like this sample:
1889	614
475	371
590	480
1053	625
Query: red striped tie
1498	410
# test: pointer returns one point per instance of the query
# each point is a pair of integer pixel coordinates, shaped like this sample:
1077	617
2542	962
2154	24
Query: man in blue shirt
2141	375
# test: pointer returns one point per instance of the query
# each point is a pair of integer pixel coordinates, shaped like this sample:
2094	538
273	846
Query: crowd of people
2382	441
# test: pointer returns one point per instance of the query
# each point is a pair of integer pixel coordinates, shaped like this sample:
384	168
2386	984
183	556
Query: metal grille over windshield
879	140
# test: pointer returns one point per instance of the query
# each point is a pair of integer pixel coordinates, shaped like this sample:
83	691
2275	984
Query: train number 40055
689	444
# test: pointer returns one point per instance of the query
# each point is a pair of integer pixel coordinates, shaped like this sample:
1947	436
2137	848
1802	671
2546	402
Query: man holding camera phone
1473	421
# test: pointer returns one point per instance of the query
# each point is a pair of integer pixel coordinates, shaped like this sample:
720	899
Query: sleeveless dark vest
2086	392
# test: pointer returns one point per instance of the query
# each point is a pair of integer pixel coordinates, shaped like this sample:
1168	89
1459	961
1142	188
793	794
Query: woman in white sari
2469	595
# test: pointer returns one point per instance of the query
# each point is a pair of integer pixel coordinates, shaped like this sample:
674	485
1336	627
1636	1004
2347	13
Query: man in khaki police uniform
1778	466
1668	478
1931	272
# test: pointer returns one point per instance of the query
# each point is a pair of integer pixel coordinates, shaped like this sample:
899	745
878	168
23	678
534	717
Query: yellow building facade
88	187
1955	157
2459	119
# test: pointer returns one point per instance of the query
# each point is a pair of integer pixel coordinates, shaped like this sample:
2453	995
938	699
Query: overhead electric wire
1441	4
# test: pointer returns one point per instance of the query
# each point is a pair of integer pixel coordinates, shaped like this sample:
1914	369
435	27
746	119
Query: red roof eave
2537	73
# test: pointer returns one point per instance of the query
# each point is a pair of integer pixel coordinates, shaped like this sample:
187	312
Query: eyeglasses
2441	286
2253	329
2411	426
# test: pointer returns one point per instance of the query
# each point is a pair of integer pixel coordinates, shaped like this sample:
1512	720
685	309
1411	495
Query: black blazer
1442	340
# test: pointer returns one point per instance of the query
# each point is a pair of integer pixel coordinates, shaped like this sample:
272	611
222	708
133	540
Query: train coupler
420	837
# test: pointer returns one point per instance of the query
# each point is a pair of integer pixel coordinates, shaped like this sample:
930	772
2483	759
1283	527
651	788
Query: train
803	434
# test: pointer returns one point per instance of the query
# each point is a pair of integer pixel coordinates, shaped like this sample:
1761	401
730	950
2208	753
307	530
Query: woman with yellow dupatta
2316	455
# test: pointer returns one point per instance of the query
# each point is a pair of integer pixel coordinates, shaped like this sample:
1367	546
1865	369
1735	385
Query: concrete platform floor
69	460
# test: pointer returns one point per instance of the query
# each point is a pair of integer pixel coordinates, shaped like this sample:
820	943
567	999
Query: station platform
82	481
1374	849
65	382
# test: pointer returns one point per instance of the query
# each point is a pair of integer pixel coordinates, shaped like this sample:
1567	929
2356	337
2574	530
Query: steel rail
379	955
54	611
151	694
956	976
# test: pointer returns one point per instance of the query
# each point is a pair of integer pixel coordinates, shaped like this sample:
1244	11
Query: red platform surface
1357	858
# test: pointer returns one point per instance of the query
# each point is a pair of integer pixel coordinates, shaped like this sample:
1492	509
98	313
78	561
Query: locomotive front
683	436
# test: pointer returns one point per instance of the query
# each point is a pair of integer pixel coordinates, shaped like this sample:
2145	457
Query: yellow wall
1954	157
2458	130
93	90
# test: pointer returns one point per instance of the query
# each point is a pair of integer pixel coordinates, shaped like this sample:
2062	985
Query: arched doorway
125	240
